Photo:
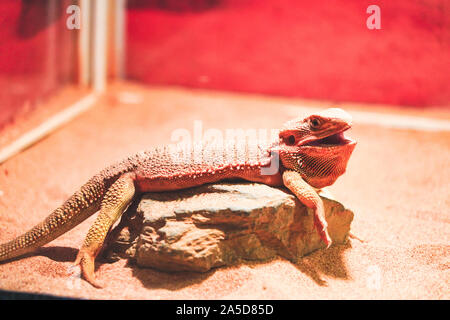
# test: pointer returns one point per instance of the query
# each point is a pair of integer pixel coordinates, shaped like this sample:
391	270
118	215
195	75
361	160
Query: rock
221	224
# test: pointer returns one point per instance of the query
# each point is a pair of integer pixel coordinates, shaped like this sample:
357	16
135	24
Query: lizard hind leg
115	201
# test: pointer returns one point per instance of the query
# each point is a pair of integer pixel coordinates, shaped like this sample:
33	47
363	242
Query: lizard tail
76	209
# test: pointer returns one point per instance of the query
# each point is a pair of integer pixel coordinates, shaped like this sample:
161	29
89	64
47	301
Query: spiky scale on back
177	167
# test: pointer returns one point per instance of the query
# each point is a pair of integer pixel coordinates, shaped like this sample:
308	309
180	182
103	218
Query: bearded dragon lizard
308	153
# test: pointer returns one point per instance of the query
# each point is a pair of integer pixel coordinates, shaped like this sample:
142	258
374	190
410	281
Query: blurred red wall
36	54
299	48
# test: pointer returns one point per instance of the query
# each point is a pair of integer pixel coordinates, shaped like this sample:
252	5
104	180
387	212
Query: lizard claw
86	261
326	238
353	236
321	227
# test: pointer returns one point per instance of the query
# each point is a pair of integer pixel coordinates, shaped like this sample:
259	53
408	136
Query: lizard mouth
335	140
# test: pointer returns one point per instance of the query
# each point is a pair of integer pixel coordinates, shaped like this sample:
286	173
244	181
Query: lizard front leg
309	197
115	201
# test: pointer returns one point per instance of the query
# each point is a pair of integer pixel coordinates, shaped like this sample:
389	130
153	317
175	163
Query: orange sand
397	184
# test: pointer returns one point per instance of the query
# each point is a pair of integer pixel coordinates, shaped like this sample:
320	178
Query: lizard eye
290	140
314	123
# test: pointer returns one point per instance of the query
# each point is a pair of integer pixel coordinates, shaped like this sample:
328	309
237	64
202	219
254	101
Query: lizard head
316	147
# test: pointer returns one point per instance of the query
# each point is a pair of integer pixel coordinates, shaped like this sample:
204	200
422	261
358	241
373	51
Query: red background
36	54
300	48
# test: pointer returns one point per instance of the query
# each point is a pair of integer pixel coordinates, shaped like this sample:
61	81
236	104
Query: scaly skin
309	153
